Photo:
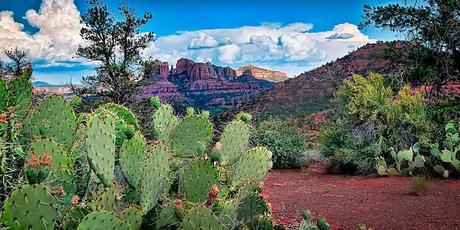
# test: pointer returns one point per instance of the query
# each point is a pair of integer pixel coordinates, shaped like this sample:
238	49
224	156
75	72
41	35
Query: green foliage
100	146
200	218
154	175
164	122
30	205
234	142
155	102
253	165
331	138
192	135
102	220
54	118
131	153
197	179
307	223
418	185
283	140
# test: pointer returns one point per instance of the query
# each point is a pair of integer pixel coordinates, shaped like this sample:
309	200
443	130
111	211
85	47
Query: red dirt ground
346	201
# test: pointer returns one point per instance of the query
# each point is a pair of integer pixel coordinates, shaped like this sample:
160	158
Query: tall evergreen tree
116	45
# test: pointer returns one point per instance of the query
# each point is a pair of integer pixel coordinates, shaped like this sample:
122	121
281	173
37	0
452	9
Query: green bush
283	140
332	138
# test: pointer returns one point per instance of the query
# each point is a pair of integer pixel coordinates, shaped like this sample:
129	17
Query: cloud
57	39
292	48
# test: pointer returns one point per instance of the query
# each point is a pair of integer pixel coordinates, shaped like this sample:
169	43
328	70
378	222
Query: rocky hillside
304	98
201	85
261	73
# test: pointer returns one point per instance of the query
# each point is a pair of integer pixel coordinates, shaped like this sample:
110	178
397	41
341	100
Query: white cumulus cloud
291	48
57	39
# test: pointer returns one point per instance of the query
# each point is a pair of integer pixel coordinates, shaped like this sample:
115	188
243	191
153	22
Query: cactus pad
3	95
253	166
102	220
20	96
234	140
100	147
131	155
73	217
30	206
108	200
228	215
200	218
132	216
250	206
40	147
167	216
122	112
197	179
55	118
164	122
154	175
191	136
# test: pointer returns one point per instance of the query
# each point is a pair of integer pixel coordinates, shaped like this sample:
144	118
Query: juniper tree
116	45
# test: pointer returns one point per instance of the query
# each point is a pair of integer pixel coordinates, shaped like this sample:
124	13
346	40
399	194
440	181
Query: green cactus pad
167	216
123	113
131	154
191	135
197	180
3	95
55	118
73	217
155	102
200	218
100	146
253	166
234	140
164	122
154	176
132	216
250	206
20	96
107	200
102	220
29	206
228	215
260	222
59	159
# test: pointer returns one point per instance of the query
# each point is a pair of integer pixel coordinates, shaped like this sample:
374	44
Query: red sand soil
377	202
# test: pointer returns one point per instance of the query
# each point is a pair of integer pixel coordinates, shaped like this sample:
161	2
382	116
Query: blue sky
289	35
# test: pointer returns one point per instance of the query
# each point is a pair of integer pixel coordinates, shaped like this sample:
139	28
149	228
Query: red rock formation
263	74
164	70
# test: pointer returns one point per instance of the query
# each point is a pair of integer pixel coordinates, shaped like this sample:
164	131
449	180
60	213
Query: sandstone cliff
262	74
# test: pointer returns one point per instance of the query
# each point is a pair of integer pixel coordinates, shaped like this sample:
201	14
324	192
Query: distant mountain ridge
40	84
202	85
304	98
262	74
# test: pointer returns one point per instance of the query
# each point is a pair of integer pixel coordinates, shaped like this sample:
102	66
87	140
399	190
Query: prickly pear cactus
197	179
73	217
20	95
100	147
3	95
102	220
131	154
260	222
200	218
234	141
245	117
132	216
191	136
167	216
228	214
54	118
108	200
44	146
252	166
123	113
154	175
30	206
155	102
164	122
250	206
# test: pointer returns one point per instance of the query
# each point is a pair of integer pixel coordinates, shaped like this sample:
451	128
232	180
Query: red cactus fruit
47	159
34	161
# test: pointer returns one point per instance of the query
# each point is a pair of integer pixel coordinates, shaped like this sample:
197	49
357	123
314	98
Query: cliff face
262	74
201	85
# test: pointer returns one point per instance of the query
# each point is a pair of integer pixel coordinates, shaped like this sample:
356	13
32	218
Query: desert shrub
418	185
332	138
283	139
